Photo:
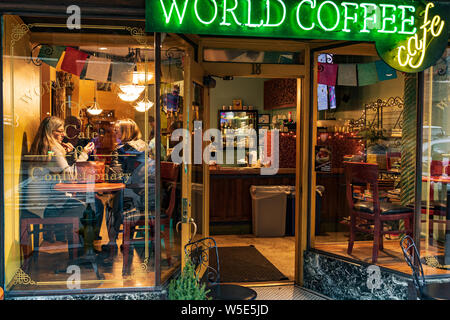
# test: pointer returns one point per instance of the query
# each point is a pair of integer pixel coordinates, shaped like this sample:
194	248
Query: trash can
290	212
319	195
269	210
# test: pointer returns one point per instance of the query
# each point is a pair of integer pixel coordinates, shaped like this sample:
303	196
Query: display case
237	128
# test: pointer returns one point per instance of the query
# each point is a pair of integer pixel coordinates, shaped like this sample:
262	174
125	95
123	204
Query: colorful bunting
332	97
322	94
347	75
51	54
384	71
327	74
97	69
122	72
367	74
74	61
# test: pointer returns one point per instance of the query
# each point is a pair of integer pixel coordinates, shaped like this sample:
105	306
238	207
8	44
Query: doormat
436	262
245	264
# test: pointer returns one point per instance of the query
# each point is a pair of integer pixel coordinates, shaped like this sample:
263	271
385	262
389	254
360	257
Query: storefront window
435	242
79	148
363	157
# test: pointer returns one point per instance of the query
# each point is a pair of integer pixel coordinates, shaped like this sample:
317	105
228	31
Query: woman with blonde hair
48	167
129	152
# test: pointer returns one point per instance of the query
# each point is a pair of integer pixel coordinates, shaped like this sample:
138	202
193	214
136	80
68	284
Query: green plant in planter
187	285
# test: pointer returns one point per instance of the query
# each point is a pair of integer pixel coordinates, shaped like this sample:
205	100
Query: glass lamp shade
94	109
143	106
130	92
141	78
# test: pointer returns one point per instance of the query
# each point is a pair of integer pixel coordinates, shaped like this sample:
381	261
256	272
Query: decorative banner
322	95
347	75
384	71
367	74
332	97
51	54
97	69
409	35
327	73
122	72
74	61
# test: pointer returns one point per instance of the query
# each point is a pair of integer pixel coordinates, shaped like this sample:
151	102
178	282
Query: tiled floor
286	292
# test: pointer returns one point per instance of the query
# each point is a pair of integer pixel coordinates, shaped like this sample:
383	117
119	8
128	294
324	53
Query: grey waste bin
269	210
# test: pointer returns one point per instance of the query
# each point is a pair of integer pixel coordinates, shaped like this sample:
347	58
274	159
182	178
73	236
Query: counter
230	199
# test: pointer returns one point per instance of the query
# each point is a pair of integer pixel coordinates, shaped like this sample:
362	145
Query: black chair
201	253
425	291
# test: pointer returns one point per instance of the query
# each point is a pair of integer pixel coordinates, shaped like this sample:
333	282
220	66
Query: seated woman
49	166
129	154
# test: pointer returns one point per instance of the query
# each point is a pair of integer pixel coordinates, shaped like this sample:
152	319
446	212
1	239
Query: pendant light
130	92
143	105
95	110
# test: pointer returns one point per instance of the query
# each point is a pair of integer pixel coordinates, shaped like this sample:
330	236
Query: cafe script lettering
409	35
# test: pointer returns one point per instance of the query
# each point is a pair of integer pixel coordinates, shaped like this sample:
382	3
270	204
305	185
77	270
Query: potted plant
187	286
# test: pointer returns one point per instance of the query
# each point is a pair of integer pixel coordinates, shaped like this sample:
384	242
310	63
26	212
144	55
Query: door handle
192	222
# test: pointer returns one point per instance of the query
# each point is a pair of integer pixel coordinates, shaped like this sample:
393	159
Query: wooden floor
49	271
279	251
391	257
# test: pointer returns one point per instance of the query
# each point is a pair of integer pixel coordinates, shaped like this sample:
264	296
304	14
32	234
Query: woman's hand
89	148
67	146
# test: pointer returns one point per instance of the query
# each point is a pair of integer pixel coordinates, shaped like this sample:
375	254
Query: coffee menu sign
409	35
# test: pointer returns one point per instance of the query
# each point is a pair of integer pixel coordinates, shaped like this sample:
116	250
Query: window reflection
80	163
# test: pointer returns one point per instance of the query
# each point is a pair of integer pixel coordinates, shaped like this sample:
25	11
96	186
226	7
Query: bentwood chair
425	291
372	213
169	178
202	253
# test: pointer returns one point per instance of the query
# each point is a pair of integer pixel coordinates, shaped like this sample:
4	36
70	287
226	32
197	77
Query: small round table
89	255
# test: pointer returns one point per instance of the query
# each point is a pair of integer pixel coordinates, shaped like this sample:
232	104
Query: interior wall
22	105
249	90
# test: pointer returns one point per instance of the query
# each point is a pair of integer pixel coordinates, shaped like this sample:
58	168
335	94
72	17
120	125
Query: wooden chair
169	177
374	212
201	253
33	225
425	291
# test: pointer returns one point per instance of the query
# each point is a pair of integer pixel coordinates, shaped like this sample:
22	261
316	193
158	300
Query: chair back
201	253
407	244
363	174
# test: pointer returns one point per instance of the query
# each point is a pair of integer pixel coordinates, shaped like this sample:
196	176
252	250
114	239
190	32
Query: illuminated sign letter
409	21
225	10
372	18
198	16
249	24
174	5
319	16
267	24
391	18
312	3
416	47
346	17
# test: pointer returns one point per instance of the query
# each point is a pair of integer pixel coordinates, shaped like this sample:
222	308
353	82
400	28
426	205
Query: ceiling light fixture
95	110
143	105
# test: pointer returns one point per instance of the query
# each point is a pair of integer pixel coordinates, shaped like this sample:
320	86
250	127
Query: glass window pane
435	245
80	187
363	159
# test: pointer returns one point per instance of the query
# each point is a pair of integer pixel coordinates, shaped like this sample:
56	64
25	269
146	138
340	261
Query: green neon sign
409	35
